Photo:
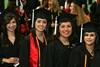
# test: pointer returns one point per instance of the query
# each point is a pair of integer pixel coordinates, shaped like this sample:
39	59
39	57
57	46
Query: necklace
91	52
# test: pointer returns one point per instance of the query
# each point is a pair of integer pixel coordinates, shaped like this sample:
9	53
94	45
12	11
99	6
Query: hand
53	25
11	60
22	12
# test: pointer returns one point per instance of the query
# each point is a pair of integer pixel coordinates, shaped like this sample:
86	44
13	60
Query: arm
6	60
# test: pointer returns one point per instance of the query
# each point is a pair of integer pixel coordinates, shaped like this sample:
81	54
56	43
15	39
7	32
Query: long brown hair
7	18
56	7
81	16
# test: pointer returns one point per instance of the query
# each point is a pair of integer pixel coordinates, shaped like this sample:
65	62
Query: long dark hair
7	18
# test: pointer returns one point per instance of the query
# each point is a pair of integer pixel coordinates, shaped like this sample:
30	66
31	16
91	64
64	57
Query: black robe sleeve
24	53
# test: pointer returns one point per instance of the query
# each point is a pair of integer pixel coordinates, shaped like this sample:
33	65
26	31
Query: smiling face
89	38
11	26
65	29
40	24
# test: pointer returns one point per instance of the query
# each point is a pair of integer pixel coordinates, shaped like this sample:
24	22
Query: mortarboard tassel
32	18
16	2
15	65
55	29
81	33
66	5
21	6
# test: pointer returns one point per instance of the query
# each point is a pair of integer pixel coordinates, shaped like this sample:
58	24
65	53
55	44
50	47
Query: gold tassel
39	46
85	60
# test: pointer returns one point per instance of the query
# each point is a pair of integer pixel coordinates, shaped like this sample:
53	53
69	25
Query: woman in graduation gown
57	51
34	44
10	41
82	55
76	8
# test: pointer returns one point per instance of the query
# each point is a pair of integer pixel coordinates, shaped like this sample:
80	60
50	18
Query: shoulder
54	42
22	36
78	49
96	60
97	54
25	40
25	43
77	52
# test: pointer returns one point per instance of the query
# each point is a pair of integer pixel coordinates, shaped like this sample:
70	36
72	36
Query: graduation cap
70	1
64	17
91	27
78	2
7	10
40	13
83	1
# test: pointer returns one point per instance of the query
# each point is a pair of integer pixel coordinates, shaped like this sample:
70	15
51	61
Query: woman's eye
39	21
86	34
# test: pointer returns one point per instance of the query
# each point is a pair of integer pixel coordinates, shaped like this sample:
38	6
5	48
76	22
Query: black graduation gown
25	52
9	51
30	4
56	54
96	60
7	10
77	57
